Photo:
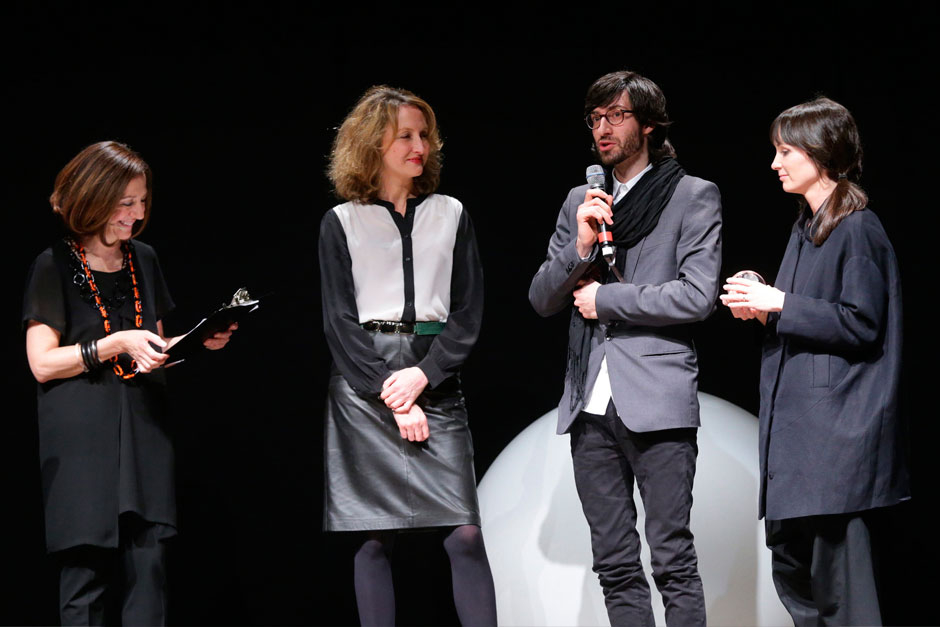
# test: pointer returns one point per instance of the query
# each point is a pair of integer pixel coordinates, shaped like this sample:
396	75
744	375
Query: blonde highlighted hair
89	187
356	158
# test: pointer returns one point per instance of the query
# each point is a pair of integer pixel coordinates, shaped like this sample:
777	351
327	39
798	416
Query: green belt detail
428	328
408	328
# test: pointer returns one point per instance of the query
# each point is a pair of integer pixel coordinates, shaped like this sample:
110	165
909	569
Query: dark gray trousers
824	570
608	457
136	569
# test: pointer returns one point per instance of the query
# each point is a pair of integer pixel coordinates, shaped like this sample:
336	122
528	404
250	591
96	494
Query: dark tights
474	595
375	595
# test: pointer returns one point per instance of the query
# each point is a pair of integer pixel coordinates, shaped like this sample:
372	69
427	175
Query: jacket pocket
669	352
820	371
659	345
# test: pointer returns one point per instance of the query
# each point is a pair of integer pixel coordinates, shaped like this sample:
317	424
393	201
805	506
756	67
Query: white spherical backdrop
539	544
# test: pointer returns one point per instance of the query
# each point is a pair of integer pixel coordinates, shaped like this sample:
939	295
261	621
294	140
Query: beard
631	145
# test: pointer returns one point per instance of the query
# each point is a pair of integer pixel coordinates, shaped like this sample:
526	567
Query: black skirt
375	479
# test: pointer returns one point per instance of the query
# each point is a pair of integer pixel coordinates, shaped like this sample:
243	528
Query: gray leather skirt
375	479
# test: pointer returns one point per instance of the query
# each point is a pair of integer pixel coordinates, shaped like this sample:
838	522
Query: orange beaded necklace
79	251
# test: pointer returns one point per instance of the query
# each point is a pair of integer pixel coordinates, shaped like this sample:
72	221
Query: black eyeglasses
614	117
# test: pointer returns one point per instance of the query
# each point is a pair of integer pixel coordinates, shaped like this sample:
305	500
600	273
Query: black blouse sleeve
43	300
452	347
350	344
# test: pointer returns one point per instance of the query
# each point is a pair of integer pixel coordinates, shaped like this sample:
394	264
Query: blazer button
770	475
570	266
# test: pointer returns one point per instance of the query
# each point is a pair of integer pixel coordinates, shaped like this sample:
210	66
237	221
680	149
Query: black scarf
635	217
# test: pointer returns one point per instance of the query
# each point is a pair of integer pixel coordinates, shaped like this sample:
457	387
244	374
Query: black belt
407	328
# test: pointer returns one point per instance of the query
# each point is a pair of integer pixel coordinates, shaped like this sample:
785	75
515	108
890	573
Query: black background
234	109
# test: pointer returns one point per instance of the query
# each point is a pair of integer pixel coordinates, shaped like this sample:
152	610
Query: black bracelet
85	356
90	355
81	359
94	352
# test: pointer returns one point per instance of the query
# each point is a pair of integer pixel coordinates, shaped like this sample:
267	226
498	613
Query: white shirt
600	392
375	249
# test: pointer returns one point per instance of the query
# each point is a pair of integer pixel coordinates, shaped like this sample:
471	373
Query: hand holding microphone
594	214
605	239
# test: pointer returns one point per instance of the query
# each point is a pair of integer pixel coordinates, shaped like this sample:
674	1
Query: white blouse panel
375	248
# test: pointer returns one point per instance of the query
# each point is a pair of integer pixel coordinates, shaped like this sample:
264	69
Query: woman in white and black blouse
402	305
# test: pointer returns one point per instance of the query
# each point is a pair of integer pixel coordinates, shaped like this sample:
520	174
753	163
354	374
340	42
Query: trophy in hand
750	275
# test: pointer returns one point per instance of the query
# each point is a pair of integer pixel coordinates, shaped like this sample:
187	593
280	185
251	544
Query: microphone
605	239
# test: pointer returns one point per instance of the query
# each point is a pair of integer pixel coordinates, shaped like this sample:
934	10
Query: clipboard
219	320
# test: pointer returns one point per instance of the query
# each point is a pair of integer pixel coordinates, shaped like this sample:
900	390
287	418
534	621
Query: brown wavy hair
356	158
826	132
89	187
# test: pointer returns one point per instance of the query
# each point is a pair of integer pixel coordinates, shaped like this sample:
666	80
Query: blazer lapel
633	257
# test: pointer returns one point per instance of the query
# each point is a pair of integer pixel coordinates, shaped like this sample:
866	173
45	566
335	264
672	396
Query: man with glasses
630	399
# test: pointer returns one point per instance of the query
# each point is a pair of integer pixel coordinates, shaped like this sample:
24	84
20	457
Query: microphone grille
595	176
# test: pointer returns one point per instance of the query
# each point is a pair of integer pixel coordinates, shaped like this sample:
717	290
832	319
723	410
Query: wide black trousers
824	569
608	458
133	577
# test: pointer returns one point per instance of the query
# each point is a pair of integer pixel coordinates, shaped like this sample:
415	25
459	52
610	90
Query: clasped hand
412	424
749	299
399	392
401	389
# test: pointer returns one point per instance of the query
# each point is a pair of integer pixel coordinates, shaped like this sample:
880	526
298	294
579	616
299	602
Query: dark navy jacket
831	439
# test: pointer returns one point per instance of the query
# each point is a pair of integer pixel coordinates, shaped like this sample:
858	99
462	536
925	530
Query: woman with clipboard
92	311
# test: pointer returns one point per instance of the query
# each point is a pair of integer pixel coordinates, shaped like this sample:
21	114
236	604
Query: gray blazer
670	280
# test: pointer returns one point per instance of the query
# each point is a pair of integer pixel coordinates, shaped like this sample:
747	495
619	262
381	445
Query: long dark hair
826	132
